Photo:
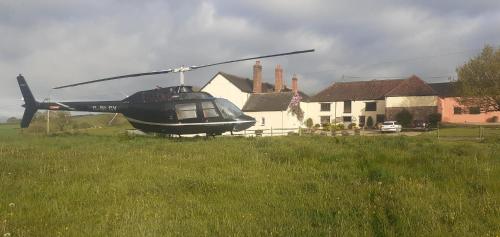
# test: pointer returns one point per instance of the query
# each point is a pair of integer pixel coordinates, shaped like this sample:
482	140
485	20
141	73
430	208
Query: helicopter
170	110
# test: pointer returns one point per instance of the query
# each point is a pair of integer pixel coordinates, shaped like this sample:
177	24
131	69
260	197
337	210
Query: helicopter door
186	112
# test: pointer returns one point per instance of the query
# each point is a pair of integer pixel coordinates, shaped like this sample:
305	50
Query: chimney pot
295	84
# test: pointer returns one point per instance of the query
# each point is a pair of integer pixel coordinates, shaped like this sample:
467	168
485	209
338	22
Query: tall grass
99	185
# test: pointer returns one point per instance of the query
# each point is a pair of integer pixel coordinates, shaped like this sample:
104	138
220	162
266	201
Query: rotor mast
181	71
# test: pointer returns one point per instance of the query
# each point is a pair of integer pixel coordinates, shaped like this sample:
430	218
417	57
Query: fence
467	132
267	132
446	132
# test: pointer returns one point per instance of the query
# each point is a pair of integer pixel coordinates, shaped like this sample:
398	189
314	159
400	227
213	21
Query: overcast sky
57	42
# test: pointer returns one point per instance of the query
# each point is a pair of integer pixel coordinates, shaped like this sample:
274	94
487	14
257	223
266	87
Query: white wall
274	119
223	88
412	101
358	108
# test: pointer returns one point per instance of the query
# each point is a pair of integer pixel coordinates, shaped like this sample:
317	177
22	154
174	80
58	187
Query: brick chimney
295	85
257	77
278	77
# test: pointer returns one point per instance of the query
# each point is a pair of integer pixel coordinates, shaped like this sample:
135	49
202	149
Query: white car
391	126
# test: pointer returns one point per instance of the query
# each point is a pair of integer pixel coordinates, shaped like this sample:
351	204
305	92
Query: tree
294	107
404	117
61	119
434	119
309	123
13	120
478	81
369	122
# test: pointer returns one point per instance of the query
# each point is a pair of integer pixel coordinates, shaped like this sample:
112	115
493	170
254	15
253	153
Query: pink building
453	112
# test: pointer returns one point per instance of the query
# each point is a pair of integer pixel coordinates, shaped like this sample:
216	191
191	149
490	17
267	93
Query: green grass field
108	184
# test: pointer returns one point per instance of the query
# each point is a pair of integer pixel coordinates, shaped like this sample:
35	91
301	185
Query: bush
404	117
369	122
317	126
326	127
351	125
13	120
309	123
493	119
339	126
434	119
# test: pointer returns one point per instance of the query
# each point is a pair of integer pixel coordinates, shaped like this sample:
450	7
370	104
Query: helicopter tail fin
31	105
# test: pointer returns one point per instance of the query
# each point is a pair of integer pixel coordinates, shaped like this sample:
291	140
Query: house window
185	111
474	110
457	110
263	121
371	106
361	121
347	118
347	106
325	106
324	119
380	118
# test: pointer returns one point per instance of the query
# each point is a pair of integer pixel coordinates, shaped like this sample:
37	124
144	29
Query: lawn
115	185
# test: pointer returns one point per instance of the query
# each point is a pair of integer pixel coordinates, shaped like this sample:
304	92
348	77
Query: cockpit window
209	109
227	109
185	111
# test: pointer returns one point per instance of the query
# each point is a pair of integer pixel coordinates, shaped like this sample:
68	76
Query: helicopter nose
244	122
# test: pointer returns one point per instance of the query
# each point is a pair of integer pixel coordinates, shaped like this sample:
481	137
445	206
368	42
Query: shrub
317	126
404	117
493	119
369	122
326	127
339	126
351	125
309	123
434	119
13	120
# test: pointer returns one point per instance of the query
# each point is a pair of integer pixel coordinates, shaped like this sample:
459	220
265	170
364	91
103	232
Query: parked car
391	126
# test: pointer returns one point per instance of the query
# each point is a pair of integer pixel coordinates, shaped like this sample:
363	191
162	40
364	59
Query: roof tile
268	102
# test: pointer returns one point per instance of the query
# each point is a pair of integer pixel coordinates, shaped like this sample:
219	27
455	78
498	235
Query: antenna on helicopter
183	69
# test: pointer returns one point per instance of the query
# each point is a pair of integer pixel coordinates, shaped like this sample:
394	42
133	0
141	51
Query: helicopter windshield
227	109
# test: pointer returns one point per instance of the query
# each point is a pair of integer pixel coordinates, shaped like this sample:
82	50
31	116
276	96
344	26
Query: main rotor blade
252	58
117	77
182	68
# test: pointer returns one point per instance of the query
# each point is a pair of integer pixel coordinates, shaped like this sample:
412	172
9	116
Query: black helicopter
171	110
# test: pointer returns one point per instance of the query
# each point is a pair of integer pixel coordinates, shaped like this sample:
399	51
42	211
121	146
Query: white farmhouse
355	102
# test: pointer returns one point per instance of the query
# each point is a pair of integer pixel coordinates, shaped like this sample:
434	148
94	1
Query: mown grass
103	185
